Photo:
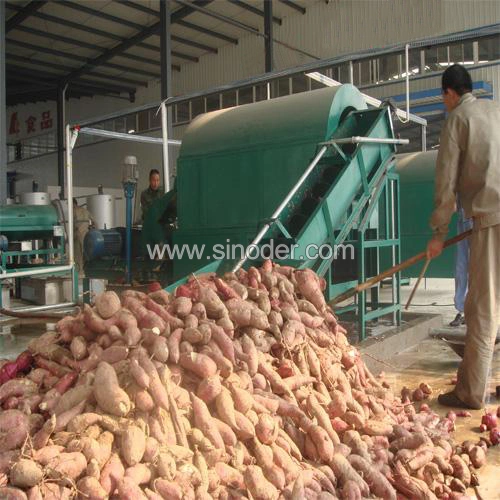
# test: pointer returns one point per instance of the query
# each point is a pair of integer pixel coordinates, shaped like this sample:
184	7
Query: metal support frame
268	34
61	95
3	108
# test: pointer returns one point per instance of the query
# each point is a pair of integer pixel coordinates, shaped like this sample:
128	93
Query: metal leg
362	278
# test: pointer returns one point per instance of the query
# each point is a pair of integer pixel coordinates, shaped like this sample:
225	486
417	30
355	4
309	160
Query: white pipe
33	272
407	57
164	130
62	305
126	137
69	191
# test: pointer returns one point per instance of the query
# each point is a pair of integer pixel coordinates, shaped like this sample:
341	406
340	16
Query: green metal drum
236	165
416	173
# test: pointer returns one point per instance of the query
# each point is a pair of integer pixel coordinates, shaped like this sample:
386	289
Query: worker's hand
434	247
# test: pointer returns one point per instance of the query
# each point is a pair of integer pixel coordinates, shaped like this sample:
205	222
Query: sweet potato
209	388
107	304
344	472
258	485
203	421
200	364
378	483
460	470
67	465
71	398
133	445
14	429
111	474
128	490
90	488
168	489
10	493
108	393
17	387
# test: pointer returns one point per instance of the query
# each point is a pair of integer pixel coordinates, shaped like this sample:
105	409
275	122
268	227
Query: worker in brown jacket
468	163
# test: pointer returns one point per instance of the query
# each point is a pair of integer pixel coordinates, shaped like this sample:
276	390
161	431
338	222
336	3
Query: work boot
458	321
451	399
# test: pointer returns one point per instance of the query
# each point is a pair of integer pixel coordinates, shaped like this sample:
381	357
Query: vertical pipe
3	110
424	137
166	85
129	189
164	131
268	35
61	91
351	73
69	190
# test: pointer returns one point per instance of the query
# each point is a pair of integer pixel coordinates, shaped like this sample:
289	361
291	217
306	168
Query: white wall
326	30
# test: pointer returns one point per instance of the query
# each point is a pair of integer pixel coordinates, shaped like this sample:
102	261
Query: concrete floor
430	360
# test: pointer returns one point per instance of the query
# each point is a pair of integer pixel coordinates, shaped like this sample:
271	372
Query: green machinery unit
417	172
237	165
27	223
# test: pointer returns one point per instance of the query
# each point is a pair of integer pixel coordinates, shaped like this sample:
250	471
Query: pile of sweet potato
237	387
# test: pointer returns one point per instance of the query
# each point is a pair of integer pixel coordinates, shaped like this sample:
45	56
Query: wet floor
435	363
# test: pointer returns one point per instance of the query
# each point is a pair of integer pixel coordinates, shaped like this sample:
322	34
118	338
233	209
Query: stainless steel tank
34	198
102	209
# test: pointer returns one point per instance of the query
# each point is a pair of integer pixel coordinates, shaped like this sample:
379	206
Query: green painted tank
416	174
236	165
27	222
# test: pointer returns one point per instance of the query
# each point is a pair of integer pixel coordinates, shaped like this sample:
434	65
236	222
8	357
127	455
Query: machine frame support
61	97
3	107
268	35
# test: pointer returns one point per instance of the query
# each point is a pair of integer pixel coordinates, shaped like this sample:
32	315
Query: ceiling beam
216	15
104	34
133	40
63	67
255	10
23	14
77	57
81	43
206	31
131	24
294	6
140	7
15	70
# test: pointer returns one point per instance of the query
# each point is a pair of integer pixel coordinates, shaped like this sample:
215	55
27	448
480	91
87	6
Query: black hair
457	78
153	171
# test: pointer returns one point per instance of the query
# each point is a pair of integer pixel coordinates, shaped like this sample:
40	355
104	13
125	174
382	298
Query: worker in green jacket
152	193
468	163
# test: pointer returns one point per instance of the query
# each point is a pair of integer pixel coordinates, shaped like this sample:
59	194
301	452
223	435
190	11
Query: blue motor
103	243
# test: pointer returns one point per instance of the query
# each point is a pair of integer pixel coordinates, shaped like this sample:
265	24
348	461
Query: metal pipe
424	138
351	73
33	272
284	203
358	139
63	305
407	58
126	137
164	131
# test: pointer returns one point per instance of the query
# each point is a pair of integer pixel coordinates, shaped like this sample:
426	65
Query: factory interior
168	331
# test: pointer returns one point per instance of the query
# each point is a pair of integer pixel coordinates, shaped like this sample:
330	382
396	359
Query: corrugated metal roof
47	40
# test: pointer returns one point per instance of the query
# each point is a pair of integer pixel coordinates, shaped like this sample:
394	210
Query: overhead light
131	131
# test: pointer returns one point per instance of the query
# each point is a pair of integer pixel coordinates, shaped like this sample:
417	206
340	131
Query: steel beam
268	35
165	45
63	67
255	10
111	36
206	31
220	17
22	15
191	43
3	111
294	6
61	91
60	53
80	43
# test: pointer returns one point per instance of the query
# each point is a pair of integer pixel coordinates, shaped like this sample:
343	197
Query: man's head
456	82
154	179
